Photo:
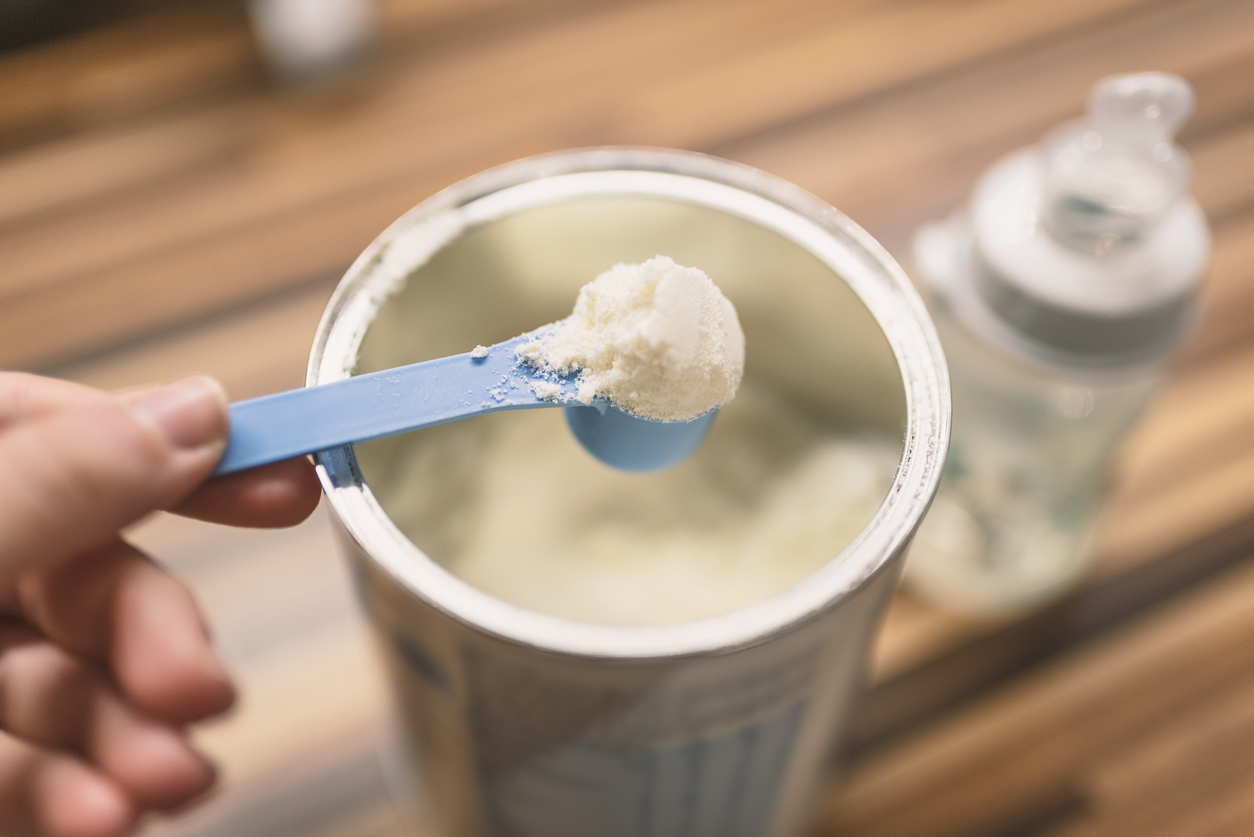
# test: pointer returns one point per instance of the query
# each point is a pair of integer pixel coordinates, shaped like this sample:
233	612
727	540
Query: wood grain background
165	207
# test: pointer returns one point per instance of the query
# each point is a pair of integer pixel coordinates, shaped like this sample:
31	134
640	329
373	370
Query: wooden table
165	208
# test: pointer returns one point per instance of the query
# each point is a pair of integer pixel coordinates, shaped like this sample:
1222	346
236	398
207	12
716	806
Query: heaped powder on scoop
657	340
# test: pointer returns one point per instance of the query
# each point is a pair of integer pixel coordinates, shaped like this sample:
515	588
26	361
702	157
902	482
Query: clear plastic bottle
1059	293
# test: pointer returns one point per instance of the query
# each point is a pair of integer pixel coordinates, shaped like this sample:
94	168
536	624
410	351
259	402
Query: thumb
73	478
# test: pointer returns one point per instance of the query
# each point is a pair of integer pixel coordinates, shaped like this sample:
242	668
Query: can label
564	759
710	787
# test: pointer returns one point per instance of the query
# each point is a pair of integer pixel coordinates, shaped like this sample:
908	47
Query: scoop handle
365	407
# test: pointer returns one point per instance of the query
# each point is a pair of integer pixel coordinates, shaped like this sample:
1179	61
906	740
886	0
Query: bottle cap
1088	244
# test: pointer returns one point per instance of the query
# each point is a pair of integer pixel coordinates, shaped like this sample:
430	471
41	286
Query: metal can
522	723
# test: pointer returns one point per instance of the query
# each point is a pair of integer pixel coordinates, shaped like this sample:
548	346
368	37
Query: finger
117	607
51	698
282	494
74	478
53	794
25	397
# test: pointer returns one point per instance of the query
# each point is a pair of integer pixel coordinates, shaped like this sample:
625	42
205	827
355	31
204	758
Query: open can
515	722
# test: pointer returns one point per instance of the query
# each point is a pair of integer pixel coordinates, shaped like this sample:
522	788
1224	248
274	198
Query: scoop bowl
634	444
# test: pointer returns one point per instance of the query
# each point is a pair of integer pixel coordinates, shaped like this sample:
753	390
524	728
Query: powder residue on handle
657	340
547	390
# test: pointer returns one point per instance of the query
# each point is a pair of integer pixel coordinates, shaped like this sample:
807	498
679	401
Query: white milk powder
513	505
657	340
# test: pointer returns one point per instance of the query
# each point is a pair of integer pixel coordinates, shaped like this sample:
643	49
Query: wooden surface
165	208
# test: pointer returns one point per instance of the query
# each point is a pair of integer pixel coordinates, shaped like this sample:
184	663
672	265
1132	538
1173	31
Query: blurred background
183	183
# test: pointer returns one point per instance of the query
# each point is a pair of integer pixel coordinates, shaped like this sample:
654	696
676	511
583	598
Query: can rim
731	187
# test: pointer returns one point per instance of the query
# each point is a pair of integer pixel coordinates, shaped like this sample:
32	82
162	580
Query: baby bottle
1059	294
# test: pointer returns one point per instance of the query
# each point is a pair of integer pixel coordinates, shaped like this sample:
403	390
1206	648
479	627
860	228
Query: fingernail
190	412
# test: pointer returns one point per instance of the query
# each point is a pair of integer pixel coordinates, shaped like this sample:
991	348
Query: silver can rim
760	197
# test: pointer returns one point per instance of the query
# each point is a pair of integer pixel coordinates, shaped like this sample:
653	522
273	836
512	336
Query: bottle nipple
1112	177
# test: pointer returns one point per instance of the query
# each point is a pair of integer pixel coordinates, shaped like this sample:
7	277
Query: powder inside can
512	505
658	340
772	496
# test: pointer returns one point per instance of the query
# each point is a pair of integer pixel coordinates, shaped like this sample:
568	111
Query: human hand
104	658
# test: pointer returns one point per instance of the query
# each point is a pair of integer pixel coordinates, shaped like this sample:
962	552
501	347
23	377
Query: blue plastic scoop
365	407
